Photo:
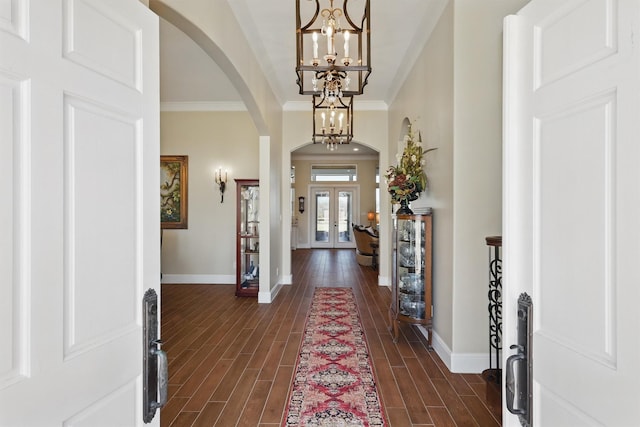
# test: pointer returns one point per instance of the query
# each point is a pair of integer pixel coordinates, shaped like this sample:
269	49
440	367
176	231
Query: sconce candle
329	40
315	45
301	204
346	44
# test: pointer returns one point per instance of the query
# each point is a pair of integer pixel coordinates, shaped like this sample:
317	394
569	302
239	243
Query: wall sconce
301	204
222	183
371	216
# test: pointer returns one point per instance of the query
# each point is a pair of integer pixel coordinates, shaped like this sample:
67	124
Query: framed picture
174	180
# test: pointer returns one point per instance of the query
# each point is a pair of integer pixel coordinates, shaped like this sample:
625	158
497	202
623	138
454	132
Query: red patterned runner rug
333	385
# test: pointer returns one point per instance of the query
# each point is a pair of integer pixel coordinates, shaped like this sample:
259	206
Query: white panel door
572	206
79	139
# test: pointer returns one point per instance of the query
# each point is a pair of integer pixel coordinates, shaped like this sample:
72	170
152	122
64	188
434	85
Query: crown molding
239	106
203	106
358	105
334	156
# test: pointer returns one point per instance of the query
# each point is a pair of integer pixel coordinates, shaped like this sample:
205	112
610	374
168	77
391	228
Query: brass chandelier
332	121
325	69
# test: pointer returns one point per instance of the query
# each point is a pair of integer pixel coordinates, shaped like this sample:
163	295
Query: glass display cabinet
247	238
411	290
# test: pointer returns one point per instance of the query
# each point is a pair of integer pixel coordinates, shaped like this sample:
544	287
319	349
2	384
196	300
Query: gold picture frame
174	181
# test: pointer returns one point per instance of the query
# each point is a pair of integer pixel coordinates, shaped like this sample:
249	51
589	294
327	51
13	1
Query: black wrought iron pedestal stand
494	373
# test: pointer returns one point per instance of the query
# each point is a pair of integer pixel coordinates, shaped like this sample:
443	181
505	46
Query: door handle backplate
519	367
154	363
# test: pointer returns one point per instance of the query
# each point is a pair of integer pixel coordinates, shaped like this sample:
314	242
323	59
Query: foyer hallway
231	360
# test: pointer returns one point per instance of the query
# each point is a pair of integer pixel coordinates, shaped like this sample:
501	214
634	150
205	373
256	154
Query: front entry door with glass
332	211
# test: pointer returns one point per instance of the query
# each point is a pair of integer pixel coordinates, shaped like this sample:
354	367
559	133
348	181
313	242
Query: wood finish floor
231	360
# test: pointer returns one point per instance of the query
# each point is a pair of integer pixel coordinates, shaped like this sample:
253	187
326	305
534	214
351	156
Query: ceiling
398	31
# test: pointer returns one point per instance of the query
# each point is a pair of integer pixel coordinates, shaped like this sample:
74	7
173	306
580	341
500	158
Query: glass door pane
345	215
322	211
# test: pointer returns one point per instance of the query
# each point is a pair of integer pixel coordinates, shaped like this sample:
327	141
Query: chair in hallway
366	245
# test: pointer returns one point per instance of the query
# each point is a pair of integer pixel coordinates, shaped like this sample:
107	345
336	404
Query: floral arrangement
407	180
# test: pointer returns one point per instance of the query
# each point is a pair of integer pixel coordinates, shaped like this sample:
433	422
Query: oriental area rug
333	384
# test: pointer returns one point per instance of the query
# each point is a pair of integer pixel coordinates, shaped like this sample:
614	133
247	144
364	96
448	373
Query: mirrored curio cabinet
411	291
247	237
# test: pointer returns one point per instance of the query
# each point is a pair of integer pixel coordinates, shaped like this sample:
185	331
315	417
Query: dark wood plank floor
231	360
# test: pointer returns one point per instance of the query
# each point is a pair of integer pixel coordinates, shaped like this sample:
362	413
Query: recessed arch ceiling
187	73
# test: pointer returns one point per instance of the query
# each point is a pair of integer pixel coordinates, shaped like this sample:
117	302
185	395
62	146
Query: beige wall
212	25
455	89
206	250
478	160
427	99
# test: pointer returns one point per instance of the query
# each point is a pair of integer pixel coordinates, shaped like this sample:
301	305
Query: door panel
332	214
322	218
92	233
14	312
79	118
344	217
566	272
571	203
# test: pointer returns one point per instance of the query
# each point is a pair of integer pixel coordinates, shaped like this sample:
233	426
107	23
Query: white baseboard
199	279
264	297
269	296
287	280
458	363
384	281
219	279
